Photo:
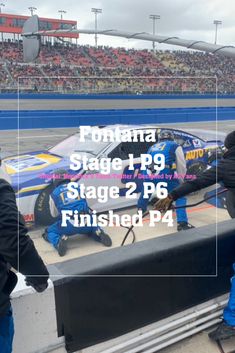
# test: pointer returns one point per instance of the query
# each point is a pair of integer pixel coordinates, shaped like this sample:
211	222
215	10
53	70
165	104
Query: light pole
216	23
61	13
154	18
32	9
96	12
1	5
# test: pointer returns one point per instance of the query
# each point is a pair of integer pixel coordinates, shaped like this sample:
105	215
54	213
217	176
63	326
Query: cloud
183	18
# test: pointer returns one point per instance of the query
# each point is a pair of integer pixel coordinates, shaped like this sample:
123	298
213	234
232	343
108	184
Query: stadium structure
107	69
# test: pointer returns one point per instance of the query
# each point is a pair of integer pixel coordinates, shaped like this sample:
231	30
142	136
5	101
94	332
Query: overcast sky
191	19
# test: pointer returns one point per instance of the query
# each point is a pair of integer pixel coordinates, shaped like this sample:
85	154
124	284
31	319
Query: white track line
40	136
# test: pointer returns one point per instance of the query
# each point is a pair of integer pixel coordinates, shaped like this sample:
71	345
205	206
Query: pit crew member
174	164
225	173
58	235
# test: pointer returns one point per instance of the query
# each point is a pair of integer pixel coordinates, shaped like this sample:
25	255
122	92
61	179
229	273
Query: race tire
196	168
42	209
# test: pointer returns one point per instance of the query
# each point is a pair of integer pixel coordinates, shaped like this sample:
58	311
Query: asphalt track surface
23	141
87	104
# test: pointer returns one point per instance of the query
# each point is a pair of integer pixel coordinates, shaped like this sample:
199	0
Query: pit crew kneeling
56	234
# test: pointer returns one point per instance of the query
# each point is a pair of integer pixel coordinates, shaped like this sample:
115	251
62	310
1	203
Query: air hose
130	229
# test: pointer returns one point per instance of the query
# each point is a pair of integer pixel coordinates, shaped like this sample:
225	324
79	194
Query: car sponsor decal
29	162
194	154
196	143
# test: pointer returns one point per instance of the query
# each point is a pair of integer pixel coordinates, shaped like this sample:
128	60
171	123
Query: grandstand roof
190	44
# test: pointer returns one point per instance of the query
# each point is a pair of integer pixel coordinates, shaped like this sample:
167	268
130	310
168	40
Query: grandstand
106	69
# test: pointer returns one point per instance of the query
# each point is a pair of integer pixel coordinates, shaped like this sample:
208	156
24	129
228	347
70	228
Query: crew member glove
38	287
163	205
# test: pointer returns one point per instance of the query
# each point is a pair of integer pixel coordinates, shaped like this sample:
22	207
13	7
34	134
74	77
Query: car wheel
42	209
196	168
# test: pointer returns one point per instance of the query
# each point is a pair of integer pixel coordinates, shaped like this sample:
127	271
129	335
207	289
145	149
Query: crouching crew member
56	234
225	173
174	163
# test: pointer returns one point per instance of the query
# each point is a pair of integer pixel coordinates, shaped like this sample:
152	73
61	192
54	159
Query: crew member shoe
105	239
61	247
222	332
45	237
184	226
102	237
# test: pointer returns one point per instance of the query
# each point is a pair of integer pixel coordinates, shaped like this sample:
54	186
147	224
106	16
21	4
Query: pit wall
33	119
74	118
113	96
103	296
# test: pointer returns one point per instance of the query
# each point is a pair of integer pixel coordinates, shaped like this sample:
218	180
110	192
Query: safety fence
33	119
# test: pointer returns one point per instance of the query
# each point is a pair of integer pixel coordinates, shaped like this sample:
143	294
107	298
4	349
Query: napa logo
27	163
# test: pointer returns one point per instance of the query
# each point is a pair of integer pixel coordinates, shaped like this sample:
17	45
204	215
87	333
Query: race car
32	173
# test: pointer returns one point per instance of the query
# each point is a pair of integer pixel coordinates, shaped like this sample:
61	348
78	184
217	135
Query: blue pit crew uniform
59	201
174	163
6	332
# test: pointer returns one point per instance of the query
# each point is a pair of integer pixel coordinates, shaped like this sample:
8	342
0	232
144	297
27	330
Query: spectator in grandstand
14	238
175	164
56	234
225	173
104	62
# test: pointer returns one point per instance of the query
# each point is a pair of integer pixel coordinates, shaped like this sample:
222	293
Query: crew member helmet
166	135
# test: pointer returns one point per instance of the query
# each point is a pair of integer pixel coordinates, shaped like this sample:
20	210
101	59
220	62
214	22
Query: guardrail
73	118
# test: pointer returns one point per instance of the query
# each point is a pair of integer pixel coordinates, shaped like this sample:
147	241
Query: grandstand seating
106	69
